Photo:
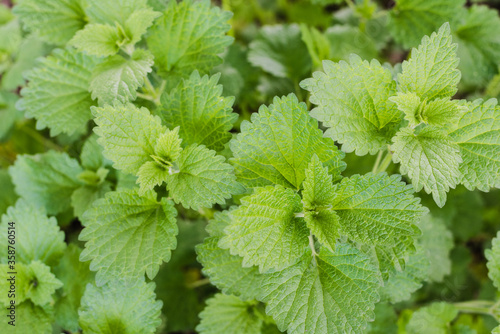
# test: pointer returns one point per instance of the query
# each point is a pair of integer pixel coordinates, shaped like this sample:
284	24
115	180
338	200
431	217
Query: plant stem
384	164
377	162
197	284
479	306
311	245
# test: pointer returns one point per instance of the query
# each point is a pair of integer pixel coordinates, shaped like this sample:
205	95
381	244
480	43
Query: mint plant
180	167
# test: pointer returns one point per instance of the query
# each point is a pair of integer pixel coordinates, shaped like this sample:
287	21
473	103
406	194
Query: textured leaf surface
100	40
330	293
433	319
57	93
31	319
128	135
91	156
112	12
128	235
430	159
432	71
55	21
478	136
126	307
229	314
376	208
83	197
195	35
46	180
277	146
203	179
280	51
204	116
265	231
352	100
493	264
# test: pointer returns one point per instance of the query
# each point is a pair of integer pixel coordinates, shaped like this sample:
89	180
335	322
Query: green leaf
345	40
46	179
278	144
68	298
9	115
377	209
8	196
128	235
280	51
30	318
352	100
231	315
138	23
128	134
112	12
117	78
493	264
121	306
265	231
55	21
325	226
57	92
91	155
203	179
430	158
433	319
385	320
195	34
478	136
410	20
329	293
318	186
151	174
100	40
204	116
316	42
431	72
83	197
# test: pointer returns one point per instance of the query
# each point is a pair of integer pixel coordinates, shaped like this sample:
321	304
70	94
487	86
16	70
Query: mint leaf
117	78
138	23
431	72
478	137
113	307
277	146
30	318
47	180
83	197
57	92
265	231
430	158
352	100
91	154
100	40
204	116
195	34
433	319
36	283
329	293
112	12
202	179
54	21
493	264
143	237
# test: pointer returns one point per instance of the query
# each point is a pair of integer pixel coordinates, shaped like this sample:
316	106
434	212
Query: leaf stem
197	284
479	306
311	245
384	164
377	162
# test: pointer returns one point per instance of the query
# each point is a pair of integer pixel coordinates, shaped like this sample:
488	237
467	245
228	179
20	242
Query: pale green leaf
324	225
280	51
377	209
91	155
96	39
128	135
194	32
229	315
432	319
430	158
493	264
352	100
57	92
385	320
478	136
9	115
265	231
203	179
330	293
168	146
278	144
496	330
138	23
121	306
204	116
83	197
55	21
112	12
346	39
318	186
128	235
150	175
46	179
30	318
432	71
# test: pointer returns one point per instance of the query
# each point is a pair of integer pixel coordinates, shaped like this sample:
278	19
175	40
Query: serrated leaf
265	231
431	72
493	264
55	21
47	180
280	51
352	100
346	40
231	315
376	209
195	34
117	78
138	23
278	144
128	134
203	179
97	39
112	12
30	318
204	116
57	92
430	158
127	307
433	319
168	146
318	186
128	235
83	197
329	293
91	156
151	174
410	20
324	225
478	136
